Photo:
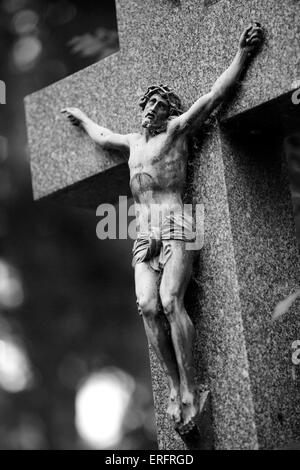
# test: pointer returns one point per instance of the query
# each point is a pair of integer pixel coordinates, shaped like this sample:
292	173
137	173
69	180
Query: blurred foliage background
74	366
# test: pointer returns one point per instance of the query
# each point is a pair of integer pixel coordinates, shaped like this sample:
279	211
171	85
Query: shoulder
133	138
178	126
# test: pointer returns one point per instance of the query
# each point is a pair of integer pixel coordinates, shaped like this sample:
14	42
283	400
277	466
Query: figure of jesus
162	263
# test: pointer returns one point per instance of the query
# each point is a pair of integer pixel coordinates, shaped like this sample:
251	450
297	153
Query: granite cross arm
66	165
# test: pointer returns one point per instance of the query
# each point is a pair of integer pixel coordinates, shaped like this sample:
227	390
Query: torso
157	172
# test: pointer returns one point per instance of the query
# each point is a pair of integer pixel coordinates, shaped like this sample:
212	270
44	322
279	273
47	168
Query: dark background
67	305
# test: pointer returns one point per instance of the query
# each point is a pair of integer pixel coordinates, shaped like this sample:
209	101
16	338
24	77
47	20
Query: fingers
73	120
255	37
255	30
252	34
66	110
68	113
70	110
248	28
254	42
253	27
252	37
245	33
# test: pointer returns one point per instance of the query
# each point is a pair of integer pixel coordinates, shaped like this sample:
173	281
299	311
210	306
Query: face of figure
156	112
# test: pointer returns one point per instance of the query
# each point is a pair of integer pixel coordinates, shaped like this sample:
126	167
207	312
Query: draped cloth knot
152	246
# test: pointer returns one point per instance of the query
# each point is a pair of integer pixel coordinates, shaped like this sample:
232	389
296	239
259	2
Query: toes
174	412
177	418
187	401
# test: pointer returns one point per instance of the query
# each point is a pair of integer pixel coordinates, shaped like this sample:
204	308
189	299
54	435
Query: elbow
100	141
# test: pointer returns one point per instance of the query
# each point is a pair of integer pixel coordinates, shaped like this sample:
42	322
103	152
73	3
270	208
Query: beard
154	128
152	123
147	123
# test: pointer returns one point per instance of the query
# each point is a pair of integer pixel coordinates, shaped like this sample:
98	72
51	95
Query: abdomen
143	182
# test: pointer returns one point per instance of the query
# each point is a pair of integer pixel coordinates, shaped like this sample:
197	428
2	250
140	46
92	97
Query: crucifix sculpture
249	260
157	162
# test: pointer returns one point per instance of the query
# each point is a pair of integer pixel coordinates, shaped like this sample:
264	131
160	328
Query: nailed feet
174	407
183	410
189	411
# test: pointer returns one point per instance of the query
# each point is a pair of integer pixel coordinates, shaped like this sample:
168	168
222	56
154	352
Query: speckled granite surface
220	323
267	266
248	264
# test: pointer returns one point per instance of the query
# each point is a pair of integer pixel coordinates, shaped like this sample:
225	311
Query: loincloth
153	247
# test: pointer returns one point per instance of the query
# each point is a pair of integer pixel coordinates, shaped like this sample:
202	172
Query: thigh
146	283
177	270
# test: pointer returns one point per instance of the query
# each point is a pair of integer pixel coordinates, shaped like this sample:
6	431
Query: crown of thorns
165	92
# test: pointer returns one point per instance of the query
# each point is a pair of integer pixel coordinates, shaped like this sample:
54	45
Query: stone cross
250	257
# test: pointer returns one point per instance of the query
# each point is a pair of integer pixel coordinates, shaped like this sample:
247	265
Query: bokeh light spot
11	290
25	21
26	51
101	405
15	374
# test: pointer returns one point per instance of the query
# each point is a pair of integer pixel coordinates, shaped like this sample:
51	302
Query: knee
170	303
147	307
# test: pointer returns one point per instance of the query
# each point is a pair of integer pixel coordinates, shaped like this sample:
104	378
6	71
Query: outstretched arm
249	42
100	135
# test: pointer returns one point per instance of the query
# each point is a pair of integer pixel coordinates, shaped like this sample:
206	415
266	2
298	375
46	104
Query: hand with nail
74	115
251	38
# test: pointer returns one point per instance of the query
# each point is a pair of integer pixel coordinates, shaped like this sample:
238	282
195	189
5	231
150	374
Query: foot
174	409
189	408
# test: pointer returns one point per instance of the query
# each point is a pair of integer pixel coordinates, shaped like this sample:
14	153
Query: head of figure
159	105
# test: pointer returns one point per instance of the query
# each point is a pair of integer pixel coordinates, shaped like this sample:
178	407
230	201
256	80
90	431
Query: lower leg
182	333
146	282
162	346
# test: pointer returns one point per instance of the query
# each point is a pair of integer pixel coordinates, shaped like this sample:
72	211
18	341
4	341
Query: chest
158	151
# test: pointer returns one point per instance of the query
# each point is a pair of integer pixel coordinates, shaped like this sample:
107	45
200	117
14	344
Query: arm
249	41
100	135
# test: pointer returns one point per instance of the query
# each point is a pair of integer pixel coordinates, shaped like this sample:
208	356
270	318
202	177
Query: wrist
243	54
84	121
242	58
